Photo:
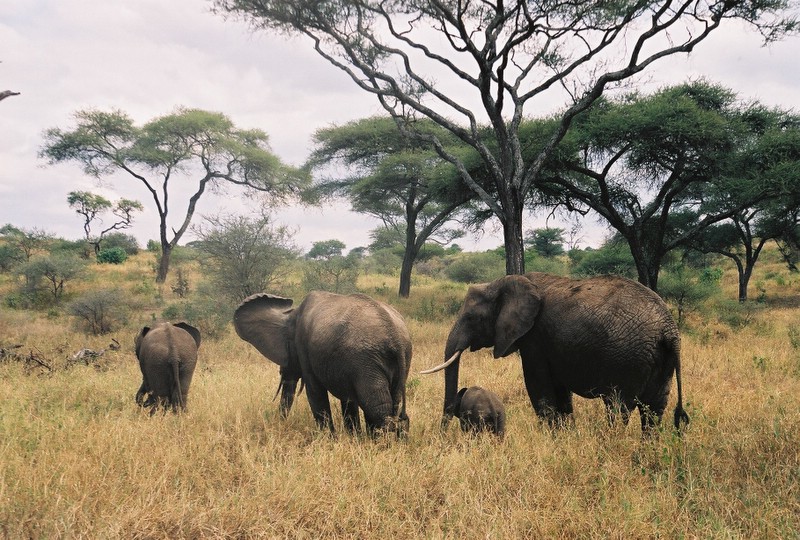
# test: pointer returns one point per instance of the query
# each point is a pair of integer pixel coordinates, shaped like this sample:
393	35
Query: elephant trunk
452	351
287	389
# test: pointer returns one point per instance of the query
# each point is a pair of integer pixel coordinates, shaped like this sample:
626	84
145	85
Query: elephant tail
177	394
680	413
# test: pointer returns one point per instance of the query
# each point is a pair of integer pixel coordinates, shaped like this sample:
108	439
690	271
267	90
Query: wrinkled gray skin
606	337
354	347
479	409
167	356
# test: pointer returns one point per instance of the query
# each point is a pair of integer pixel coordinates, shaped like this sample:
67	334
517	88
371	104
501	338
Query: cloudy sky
147	57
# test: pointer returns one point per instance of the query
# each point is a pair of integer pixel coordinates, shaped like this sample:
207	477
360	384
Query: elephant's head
265	321
495	315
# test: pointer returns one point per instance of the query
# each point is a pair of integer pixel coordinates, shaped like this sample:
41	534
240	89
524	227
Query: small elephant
479	409
602	337
353	346
167	356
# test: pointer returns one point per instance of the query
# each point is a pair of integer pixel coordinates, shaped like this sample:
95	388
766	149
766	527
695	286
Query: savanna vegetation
78	458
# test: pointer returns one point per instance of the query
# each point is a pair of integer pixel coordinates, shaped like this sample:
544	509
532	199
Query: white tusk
442	366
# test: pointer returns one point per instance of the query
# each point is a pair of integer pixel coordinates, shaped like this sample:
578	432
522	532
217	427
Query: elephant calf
167	356
479	409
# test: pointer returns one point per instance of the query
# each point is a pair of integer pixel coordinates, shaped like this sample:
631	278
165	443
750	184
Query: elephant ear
519	302
137	341
194	332
457	405
262	320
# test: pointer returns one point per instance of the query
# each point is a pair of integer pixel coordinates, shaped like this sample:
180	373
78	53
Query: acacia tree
398	179
661	169
470	64
775	154
190	145
90	206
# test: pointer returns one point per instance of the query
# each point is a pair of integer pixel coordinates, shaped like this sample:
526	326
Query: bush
206	311
612	258
337	274
121	240
476	267
99	312
115	255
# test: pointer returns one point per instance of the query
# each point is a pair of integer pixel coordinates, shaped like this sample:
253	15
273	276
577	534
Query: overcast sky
147	57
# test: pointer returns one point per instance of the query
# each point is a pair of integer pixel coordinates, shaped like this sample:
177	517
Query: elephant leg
651	411
352	419
616	407
550	405
144	389
378	409
320	404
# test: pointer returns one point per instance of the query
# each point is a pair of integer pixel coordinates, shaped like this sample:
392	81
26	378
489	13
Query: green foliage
476	267
99	311
611	258
51	273
114	255
384	261
243	255
687	288
206	311
335	274
326	249
121	240
547	242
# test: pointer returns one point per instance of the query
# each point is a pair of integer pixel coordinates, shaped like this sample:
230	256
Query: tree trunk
514	243
405	272
163	264
409	255
744	280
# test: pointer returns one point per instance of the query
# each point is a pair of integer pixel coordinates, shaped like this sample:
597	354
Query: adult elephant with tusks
605	336
353	346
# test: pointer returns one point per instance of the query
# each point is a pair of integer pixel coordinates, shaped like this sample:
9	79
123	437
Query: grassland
78	459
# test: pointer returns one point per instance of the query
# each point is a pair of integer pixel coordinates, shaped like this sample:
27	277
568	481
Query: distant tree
660	169
547	242
743	237
122	240
245	255
99	311
90	206
189	144
329	270
398	179
326	249
51	273
613	257
24	242
474	65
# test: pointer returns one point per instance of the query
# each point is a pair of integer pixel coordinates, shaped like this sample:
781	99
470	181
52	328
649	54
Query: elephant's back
165	342
606	331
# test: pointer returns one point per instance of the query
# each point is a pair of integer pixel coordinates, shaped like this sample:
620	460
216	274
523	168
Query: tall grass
79	459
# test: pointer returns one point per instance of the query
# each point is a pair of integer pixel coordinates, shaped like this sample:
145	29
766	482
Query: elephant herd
605	336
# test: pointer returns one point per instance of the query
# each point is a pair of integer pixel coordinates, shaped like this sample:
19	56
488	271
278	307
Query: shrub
121	240
207	311
99	312
612	258
476	267
115	255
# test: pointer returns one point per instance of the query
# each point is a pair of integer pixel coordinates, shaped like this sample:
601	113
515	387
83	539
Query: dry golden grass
79	459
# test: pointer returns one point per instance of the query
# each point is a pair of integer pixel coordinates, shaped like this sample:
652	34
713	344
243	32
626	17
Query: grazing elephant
167	356
606	337
479	409
354	347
